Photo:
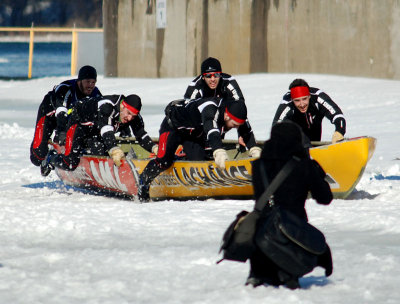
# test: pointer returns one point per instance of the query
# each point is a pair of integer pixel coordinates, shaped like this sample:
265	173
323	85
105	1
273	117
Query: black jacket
306	177
227	88
204	117
102	113
321	105
64	97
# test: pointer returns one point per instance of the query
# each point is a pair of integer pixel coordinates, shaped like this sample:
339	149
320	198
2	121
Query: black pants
169	140
261	267
45	124
81	139
196	150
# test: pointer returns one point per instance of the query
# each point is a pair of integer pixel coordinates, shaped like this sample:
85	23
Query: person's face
302	103
126	115
87	86
212	79
230	123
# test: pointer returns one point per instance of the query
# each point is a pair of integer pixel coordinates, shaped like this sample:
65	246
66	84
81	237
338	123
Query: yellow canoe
344	163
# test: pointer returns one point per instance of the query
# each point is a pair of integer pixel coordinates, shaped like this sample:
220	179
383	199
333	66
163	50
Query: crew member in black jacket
100	118
212	82
307	177
53	111
307	106
201	121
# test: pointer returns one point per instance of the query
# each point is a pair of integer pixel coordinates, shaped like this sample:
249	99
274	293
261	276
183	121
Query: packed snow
63	245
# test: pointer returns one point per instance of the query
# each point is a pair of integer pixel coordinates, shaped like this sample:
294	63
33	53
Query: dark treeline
57	13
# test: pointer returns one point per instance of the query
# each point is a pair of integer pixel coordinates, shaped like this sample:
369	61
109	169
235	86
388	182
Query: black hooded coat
307	177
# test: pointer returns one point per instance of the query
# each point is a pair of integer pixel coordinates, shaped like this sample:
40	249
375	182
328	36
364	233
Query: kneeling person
202	122
268	265
100	118
53	111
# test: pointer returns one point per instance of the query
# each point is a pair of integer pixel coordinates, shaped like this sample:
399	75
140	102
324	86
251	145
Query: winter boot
293	284
46	166
149	173
288	280
254	281
143	191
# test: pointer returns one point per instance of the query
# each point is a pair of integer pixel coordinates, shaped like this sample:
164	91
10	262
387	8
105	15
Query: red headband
298	92
205	73
238	120
129	107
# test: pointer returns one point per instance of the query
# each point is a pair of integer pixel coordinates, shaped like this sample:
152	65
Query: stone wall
354	37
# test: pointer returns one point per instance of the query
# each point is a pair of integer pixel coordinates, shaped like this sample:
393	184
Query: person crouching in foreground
307	177
200	121
97	120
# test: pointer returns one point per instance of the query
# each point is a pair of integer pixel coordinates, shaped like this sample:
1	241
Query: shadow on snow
66	189
308	282
360	195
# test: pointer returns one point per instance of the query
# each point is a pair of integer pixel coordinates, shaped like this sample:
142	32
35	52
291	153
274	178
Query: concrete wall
354	37
90	51
110	32
335	37
136	40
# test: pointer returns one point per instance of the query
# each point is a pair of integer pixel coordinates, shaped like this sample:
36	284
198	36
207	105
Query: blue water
49	59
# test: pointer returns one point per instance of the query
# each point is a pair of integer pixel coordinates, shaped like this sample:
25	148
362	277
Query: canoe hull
344	163
185	180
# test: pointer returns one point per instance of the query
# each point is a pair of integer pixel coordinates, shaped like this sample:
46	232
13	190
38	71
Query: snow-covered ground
60	245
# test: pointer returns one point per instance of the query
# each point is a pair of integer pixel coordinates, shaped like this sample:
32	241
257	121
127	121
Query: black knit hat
211	65
236	110
132	102
87	72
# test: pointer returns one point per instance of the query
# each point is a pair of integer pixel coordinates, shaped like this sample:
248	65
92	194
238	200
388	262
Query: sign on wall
161	14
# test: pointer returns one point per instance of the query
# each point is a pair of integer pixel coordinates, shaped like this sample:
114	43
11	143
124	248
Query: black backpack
290	241
238	243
